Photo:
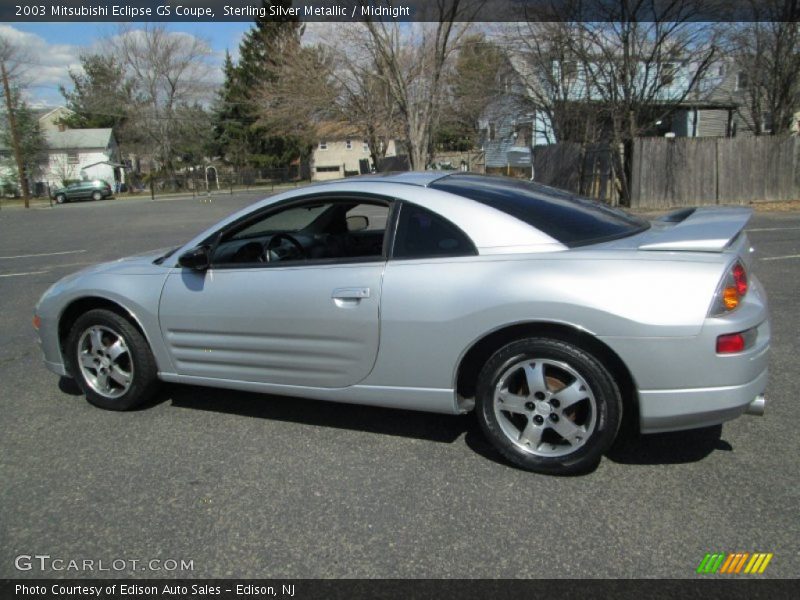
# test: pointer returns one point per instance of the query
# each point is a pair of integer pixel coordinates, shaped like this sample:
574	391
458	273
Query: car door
73	191
310	321
81	191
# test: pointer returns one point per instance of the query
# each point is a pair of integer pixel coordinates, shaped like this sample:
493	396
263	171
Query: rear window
570	219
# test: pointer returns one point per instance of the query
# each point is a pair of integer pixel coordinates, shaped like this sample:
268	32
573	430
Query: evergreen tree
231	121
32	144
472	85
239	137
100	96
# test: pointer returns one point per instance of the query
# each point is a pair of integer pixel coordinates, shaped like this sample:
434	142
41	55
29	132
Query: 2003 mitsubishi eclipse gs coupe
548	314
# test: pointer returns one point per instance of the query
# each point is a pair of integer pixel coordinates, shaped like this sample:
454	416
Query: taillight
740	278
732	289
731	343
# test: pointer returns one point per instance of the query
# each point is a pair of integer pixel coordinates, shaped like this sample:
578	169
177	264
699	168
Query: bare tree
322	90
61	169
634	64
383	80
479	77
545	62
412	60
365	103
767	53
301	95
170	71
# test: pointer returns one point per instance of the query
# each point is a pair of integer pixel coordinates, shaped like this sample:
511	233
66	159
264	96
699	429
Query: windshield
568	218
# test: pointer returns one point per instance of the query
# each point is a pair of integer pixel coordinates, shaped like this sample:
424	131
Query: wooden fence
679	172
588	171
695	171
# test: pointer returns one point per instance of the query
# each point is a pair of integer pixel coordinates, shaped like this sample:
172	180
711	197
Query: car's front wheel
96	196
548	406
110	361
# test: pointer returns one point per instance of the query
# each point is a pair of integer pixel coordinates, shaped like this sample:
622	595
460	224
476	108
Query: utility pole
12	125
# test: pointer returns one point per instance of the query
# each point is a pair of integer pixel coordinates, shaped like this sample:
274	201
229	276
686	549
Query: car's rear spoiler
706	229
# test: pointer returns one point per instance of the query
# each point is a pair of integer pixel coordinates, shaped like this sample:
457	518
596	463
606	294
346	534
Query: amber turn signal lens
37	321
730	296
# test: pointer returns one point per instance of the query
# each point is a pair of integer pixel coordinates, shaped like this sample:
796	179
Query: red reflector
730	344
740	278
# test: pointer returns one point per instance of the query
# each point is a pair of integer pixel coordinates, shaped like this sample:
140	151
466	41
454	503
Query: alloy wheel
545	407
105	361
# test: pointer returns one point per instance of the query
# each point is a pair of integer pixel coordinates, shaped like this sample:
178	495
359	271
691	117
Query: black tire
138	360
540	414
61	199
97	196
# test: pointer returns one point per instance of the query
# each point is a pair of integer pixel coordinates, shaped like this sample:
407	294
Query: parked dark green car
96	189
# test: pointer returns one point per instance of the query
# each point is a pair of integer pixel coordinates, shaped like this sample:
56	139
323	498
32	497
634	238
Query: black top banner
399	10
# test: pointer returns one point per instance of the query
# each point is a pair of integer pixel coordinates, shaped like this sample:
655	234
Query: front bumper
672	410
56	367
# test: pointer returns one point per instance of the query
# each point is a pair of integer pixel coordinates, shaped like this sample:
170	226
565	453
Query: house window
522	136
72	157
721	71
366	146
328	169
667	74
742	81
492	131
348	144
323	145
569	72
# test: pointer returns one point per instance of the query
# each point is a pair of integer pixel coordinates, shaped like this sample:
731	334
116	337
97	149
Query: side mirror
357	223
198	258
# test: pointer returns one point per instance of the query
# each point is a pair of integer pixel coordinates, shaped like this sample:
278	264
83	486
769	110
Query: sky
52	49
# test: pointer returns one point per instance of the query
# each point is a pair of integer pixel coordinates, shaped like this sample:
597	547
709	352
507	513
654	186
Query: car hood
138	264
130	264
98	277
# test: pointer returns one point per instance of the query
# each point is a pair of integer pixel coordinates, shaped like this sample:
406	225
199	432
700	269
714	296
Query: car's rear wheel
97	196
110	361
60	198
548	406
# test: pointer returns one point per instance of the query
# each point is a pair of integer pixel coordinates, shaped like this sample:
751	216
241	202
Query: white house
342	153
81	154
70	154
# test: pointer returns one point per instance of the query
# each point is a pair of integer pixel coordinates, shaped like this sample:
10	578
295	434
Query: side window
422	233
318	230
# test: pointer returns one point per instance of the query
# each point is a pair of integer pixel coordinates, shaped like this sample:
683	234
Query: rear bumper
671	410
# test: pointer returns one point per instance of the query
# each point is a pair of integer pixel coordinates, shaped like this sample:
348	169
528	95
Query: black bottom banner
434	589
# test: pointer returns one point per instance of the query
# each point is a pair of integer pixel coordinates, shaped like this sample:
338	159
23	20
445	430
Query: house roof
79	138
41	113
337	130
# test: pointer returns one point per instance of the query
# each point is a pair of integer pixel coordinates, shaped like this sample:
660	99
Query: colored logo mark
735	563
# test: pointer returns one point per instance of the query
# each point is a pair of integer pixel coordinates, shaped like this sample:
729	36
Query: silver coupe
554	317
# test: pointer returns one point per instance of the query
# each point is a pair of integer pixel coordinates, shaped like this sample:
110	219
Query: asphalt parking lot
256	486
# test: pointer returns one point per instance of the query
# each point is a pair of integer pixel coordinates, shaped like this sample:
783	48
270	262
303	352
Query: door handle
350	293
